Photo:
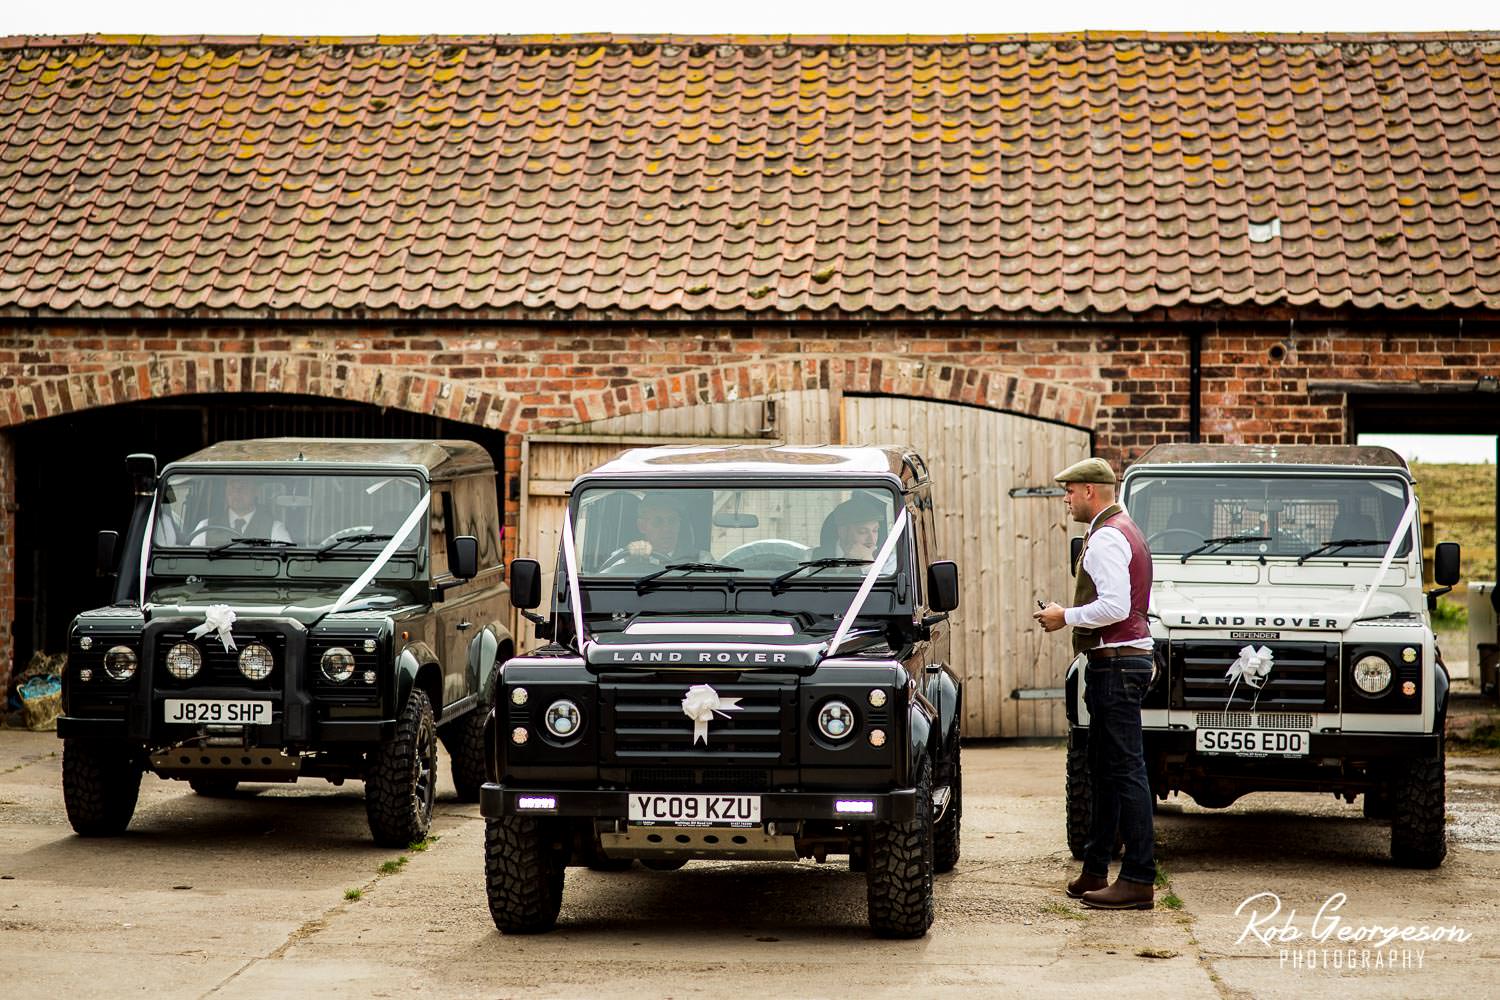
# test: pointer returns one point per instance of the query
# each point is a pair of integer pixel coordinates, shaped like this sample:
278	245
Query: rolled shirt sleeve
1107	562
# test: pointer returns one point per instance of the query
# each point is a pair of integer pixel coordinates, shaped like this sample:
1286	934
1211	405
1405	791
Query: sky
1437	447
368	17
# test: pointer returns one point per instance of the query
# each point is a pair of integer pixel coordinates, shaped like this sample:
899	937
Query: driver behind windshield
240	516
666	536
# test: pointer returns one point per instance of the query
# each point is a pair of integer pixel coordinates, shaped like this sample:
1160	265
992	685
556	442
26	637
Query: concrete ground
278	891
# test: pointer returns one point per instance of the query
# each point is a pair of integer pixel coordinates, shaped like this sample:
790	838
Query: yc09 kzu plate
648	809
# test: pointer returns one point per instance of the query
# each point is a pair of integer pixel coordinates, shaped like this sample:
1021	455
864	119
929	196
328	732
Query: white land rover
1294	650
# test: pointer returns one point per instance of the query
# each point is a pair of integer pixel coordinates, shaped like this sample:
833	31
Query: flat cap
1090	470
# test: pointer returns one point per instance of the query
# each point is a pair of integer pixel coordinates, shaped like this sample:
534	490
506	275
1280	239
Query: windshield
1272	515
753	532
252	511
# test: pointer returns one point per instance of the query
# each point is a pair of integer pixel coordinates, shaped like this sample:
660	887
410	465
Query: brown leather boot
1122	895
1086	883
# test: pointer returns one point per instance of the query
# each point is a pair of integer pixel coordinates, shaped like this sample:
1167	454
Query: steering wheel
766	553
1195	538
356	529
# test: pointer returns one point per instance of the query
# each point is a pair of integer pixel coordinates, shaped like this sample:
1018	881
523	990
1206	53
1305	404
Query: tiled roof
842	175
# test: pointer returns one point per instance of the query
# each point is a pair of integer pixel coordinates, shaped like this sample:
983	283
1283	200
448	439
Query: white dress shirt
1106	560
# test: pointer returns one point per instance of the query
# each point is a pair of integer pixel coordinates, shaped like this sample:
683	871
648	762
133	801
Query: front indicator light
369	677
87	642
1372	673
518	696
184	661
337	664
877	737
857	806
85	675
540	802
1409	655
877	698
1409	688
519	736
119	663
836	720
256	662
563	719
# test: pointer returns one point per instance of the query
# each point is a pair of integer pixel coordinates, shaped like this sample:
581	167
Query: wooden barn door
1011	550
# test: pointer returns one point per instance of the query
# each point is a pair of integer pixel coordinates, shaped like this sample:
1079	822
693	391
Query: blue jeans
1117	768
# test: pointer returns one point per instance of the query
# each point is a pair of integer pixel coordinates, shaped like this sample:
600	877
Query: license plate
649	809
220	710
1253	742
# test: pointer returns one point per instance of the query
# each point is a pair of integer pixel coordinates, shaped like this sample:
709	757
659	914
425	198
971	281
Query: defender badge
700	704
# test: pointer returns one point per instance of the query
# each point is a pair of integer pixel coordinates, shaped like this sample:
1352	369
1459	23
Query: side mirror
1445	564
1075	550
525	583
104	559
942	586
465	557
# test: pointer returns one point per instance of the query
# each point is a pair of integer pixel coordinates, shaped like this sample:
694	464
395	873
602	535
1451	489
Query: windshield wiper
219	549
368	536
816	565
1339	543
644	582
1215	544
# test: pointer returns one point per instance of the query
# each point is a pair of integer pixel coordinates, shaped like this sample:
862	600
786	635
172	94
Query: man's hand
1050	617
639	548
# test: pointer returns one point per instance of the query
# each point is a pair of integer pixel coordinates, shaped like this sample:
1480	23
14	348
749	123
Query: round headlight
835	720
256	662
337	664
1372	673
119	663
184	661
563	719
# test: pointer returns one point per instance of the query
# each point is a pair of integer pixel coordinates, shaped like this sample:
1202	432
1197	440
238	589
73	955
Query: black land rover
292	608
748	661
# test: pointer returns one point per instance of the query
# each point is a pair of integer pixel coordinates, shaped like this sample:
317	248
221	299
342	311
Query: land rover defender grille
1304	677
644	722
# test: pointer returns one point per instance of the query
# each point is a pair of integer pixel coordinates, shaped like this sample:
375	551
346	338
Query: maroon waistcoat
1133	626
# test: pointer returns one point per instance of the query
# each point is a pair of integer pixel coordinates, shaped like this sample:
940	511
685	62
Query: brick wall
1262	379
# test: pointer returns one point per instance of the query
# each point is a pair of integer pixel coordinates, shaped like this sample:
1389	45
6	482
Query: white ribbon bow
700	704
217	618
1252	667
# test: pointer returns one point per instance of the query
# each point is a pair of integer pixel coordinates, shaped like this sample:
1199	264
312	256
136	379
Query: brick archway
972	384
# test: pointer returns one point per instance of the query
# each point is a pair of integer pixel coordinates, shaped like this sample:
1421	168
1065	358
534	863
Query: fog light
87	642
563	719
1409	655
1372	673
518	696
337	664
536	802
519	735
835	720
877	698
865	806
256	662
119	663
877	737
184	661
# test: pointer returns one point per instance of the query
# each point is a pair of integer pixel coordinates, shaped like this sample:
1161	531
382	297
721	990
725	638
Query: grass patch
353	894
1171	901
418	846
1162	878
391	867
1061	910
1449	615
1484	737
1461	500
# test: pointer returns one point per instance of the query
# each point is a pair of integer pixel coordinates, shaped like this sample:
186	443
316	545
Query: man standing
1109	627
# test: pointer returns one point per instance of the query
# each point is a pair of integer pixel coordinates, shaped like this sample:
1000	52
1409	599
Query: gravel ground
250	897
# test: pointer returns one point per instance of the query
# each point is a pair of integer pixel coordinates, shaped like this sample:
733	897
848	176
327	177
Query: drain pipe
1195	390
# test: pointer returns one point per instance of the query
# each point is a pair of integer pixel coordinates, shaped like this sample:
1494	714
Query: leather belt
1114	652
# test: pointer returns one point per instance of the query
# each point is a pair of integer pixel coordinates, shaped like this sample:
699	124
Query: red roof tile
1079	172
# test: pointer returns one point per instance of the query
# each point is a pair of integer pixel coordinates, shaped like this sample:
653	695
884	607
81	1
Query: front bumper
497	801
325	732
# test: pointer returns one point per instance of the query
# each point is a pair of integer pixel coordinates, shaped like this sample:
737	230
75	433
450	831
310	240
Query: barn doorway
71	482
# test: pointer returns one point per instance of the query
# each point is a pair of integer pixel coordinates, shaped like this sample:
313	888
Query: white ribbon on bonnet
1252	667
700	704
217	618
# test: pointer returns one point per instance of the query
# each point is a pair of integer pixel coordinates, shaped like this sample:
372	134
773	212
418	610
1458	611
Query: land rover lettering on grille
739	657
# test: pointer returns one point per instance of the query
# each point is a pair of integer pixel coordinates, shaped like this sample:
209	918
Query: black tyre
664	864
1419	832
213	788
523	874
465	742
101	782
898	880
402	779
945	834
1080	795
